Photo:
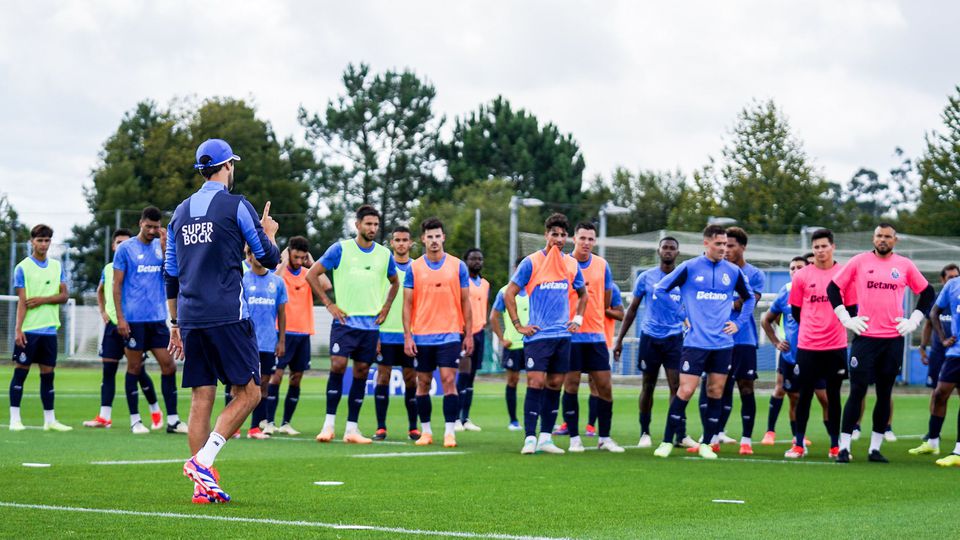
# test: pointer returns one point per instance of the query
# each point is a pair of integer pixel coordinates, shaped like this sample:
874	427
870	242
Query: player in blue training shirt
707	285
661	338
547	276
205	297
138	294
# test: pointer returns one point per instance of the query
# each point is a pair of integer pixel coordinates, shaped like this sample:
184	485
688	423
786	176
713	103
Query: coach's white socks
15	415
876	439
209	452
106	412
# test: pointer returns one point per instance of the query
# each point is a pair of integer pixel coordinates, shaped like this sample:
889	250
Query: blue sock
133	395
532	404
451	407
549	410
604	417
711	424
424	408
571	413
146	386
334	391
774	412
410	399
511	396
592	410
227	396
46	390
16	386
355	400
645	423
273	397
935	425
748	413
290	403
168	387
381	400
674	419
108	387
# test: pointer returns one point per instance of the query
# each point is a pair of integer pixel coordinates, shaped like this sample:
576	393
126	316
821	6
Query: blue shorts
40	349
296	355
268	361
791	376
743	364
512	359
111	344
695	361
226	353
145	336
950	372
391	354
655	352
476	359
431	357
551	355
359	345
935	362
588	357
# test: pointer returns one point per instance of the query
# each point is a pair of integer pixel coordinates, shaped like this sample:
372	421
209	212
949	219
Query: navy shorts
743	365
226	353
935	362
391	354
40	349
694	361
359	345
512	359
431	357
950	372
296	355
145	336
587	357
476	359
871	356
816	367
111	344
268	361
790	374
655	352
551	355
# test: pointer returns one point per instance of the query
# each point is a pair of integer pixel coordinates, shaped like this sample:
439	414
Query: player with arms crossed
707	285
205	297
511	358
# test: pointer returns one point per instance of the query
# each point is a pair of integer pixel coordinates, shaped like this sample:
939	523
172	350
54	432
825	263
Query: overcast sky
638	84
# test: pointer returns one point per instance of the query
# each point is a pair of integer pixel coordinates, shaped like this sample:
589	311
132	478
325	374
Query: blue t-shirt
706	290
791	328
143	295
331	260
549	303
264	295
660	319
596	337
19	282
616	299
438	339
949	303
747	335
396	338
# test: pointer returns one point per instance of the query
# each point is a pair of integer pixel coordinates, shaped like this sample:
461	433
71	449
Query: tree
651	197
497	142
939	169
10	229
769	183
867	199
696	203
377	143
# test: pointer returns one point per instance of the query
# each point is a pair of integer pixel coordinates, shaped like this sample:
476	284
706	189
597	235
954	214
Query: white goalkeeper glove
857	324
905	326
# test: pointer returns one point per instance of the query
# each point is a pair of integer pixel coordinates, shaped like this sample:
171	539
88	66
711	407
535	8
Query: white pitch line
265	521
294	439
140	462
25	427
407	454
790	441
777	461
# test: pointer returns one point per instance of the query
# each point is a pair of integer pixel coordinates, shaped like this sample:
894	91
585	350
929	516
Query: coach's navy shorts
476	359
872	356
40	349
145	336
268	362
391	354
296	353
551	355
355	343
226	353
655	352
587	357
934	363
512	359
111	344
694	361
950	372
431	357
743	364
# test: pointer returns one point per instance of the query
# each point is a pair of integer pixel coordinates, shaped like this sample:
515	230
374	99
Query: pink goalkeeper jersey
820	330
880	283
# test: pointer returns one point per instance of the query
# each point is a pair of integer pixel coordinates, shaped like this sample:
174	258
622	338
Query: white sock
935	443
746	440
106	412
209	452
352	427
715	439
425	428
448	428
329	421
172	419
577	440
544	437
845	441
603	440
876	439
14	415
956	449
134	418
154	407
49	417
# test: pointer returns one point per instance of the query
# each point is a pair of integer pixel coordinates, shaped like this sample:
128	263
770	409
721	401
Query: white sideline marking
780	462
728	501
790	441
25	427
265	521
300	439
328	483
407	454
140	462
37	465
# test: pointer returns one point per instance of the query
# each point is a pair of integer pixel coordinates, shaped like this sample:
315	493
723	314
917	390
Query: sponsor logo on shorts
842	372
529	362
749	372
643	364
335	348
853	362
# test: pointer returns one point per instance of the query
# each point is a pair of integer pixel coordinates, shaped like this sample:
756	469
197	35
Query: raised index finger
266	209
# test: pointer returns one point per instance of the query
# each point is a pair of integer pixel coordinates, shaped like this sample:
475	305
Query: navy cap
213	152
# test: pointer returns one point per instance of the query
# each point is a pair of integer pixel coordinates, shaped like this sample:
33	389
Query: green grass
488	489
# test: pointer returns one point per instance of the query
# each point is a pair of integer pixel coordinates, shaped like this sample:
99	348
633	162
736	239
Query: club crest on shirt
725	279
894	273
271	287
158	252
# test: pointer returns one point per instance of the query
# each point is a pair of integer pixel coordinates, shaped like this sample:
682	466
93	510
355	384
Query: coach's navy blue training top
205	242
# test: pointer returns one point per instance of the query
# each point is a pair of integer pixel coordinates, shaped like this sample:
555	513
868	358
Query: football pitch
110	483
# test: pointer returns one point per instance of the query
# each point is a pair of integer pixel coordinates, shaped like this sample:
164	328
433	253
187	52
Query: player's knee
295	378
